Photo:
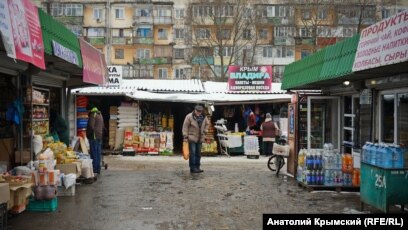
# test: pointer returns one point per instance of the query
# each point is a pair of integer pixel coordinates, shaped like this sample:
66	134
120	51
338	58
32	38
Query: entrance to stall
237	115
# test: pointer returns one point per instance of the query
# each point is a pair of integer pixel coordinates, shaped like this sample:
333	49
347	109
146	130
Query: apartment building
184	39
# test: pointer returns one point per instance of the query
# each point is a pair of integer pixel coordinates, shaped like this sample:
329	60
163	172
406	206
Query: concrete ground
158	192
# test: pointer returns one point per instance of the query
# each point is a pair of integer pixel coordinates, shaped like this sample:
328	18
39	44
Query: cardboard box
7	150
22	156
4	192
74	168
19	195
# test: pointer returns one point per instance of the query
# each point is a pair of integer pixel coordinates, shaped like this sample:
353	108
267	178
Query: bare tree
224	29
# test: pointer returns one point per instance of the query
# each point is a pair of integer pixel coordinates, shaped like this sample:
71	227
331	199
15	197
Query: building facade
186	39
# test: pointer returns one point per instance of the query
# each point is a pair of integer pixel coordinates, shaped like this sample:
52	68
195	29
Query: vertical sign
21	31
94	66
115	75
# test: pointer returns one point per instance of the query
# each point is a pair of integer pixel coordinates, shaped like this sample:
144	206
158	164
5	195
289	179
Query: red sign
21	31
94	65
249	78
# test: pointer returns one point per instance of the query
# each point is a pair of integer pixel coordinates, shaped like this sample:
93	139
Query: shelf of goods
125	125
384	180
209	147
327	169
82	115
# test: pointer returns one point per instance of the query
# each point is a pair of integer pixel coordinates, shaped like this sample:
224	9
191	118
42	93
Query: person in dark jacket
60	126
269	130
94	133
195	127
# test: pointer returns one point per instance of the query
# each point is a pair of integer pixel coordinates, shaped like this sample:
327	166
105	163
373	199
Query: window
247	13
323	31
143	53
144	33
203	33
119	54
179	33
162	13
263	33
283	51
96	32
120	13
268	11
226	11
74	10
322	14
284	31
179	73
179	53
57	9
283	11
224	34
305	32
97	13
267	51
202	11
348	32
278	73
144	13
247	34
385	13
179	13
204	52
162	34
305	53
162	73
387	118
306	14
77	30
226	51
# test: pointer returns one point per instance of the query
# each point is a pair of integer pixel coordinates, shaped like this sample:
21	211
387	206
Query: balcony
143	40
122	41
167	20
276	21
138	20
303	41
279	41
96	40
197	60
153	61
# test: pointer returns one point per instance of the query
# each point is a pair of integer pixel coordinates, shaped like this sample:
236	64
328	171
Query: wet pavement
157	192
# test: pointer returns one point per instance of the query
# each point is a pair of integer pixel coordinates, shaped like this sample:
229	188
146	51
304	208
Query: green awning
328	63
52	30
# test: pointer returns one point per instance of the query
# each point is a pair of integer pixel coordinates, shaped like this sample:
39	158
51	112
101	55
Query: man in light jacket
195	127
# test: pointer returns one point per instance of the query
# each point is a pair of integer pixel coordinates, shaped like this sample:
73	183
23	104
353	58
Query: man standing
195	127
94	133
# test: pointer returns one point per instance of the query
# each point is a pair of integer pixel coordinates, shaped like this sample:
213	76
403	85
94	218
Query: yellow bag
186	150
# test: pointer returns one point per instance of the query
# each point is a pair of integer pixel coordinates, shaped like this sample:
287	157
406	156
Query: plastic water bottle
365	152
398	157
380	155
373	154
309	161
388	158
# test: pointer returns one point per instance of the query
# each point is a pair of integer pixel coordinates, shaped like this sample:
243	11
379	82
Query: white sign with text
115	75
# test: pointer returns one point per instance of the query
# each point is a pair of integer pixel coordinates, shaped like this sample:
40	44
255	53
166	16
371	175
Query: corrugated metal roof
151	85
54	30
222	87
331	62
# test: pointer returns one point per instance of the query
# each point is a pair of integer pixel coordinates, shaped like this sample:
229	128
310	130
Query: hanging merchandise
209	147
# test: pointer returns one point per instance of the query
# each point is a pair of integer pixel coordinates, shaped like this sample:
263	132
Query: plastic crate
62	191
42	205
3	216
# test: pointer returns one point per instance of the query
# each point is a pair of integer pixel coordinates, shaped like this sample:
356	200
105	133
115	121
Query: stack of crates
42	205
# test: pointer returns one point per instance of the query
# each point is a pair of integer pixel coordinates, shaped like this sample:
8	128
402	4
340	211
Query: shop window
387	120
402	118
